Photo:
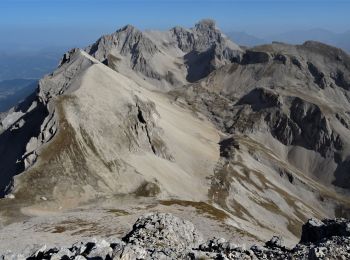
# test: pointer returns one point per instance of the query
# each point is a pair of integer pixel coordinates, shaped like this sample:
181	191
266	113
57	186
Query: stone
62	254
40	251
133	252
79	257
275	241
10	196
161	231
100	249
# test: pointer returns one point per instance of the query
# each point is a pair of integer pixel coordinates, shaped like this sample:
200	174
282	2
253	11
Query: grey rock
275	241
100	249
133	252
79	257
163	231
40	251
63	253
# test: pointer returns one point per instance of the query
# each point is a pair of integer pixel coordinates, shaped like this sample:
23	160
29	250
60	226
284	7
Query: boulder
315	230
163	231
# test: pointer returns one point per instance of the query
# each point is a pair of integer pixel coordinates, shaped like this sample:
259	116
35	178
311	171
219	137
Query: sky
75	23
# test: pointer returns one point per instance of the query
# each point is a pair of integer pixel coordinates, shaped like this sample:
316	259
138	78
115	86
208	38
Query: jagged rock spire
206	24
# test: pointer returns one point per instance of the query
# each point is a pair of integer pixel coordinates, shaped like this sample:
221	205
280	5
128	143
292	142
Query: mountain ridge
340	40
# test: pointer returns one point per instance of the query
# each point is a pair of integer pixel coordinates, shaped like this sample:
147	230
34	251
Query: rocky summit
245	143
165	236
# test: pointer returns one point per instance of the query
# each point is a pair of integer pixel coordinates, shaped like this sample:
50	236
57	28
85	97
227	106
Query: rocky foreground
165	236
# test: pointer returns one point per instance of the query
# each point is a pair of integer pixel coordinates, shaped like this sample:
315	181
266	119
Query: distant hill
245	39
340	40
15	90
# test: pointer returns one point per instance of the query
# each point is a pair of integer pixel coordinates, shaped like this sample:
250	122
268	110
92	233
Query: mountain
340	40
245	39
14	91
300	36
167	59
245	143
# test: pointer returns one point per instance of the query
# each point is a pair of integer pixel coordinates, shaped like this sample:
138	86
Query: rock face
291	93
164	236
167	59
274	104
304	124
129	42
206	48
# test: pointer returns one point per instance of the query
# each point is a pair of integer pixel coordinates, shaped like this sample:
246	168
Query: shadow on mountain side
19	96
197	64
342	175
13	145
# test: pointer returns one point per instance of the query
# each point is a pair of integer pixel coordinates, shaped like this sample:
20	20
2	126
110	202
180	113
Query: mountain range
340	40
246	142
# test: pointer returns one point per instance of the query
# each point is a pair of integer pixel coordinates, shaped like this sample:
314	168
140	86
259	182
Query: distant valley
28	64
15	90
20	71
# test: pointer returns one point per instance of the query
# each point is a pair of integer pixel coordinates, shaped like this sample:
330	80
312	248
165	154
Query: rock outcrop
164	236
206	48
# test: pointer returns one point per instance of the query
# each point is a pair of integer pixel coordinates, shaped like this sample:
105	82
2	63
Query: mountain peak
128	28
205	24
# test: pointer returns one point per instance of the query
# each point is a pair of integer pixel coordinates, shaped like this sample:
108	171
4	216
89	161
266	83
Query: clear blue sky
77	22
